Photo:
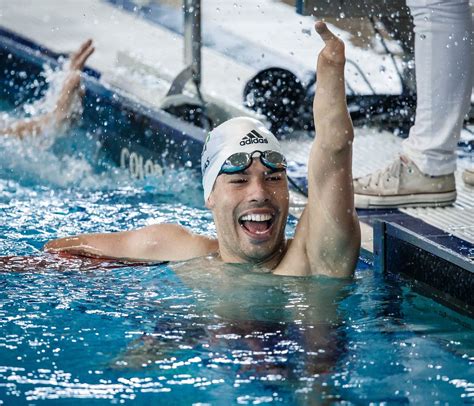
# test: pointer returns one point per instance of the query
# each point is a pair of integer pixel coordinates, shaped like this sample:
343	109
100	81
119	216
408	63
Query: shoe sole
468	179
394	202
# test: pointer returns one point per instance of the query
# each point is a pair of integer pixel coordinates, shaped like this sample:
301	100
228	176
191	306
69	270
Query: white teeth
256	217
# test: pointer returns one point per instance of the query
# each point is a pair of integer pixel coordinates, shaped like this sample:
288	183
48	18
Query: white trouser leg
443	65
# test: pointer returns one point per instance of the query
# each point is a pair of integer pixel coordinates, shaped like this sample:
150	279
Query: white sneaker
468	177
402	184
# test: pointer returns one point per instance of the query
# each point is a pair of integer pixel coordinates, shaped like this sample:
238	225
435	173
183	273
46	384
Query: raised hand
333	50
71	87
64	110
79	58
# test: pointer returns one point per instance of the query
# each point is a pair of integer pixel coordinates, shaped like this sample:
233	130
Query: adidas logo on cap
253	137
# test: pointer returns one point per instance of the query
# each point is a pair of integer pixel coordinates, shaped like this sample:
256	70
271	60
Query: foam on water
73	159
29	162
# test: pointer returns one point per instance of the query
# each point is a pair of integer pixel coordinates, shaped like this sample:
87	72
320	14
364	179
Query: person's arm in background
61	113
160	242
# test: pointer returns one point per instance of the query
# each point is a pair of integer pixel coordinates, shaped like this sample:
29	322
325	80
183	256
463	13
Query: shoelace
389	172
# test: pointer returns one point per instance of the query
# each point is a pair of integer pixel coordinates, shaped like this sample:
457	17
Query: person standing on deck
62	112
424	174
246	188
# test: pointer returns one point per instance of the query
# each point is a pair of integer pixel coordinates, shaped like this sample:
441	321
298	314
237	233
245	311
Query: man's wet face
250	211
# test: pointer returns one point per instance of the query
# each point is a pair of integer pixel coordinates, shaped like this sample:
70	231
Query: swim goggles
242	160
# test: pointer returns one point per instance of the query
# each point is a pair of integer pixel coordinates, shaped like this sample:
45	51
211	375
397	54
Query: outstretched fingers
71	88
79	58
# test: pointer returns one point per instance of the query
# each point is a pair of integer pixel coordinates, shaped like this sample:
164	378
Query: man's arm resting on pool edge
159	242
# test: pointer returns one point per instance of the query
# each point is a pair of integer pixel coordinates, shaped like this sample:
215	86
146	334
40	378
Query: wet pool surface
77	330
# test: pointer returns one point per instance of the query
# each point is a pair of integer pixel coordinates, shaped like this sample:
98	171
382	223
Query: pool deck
140	56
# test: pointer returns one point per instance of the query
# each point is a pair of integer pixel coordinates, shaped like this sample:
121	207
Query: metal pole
192	37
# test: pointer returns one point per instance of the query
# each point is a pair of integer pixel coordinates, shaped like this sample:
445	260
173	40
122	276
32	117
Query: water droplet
250	99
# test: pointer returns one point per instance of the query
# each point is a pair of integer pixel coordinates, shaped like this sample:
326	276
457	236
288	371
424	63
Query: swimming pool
74	330
71	329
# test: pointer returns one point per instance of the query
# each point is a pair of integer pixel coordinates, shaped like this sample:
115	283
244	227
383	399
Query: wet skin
256	191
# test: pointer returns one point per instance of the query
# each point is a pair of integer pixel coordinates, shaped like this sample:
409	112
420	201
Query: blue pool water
78	331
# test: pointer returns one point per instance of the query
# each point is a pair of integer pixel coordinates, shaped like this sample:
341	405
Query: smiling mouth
257	224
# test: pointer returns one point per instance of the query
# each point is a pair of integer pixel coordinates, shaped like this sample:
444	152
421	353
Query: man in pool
61	114
246	188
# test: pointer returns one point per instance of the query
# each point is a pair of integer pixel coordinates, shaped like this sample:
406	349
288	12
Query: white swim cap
241	134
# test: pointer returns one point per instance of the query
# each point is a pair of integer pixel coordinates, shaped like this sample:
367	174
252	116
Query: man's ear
210	203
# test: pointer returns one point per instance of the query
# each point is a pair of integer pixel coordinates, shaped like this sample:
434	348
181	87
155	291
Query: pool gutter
446	274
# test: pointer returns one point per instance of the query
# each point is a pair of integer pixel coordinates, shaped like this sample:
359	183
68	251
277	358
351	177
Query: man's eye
274	178
238	180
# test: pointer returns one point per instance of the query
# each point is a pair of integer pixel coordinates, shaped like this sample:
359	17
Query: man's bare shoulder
178	241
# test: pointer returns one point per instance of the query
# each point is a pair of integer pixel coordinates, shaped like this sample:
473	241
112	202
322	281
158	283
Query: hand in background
71	87
79	58
64	107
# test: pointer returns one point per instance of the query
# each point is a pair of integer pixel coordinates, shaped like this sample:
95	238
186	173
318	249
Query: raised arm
160	242
61	113
328	231
58	117
79	58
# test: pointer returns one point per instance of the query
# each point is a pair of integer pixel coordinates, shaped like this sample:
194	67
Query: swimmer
61	114
246	188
